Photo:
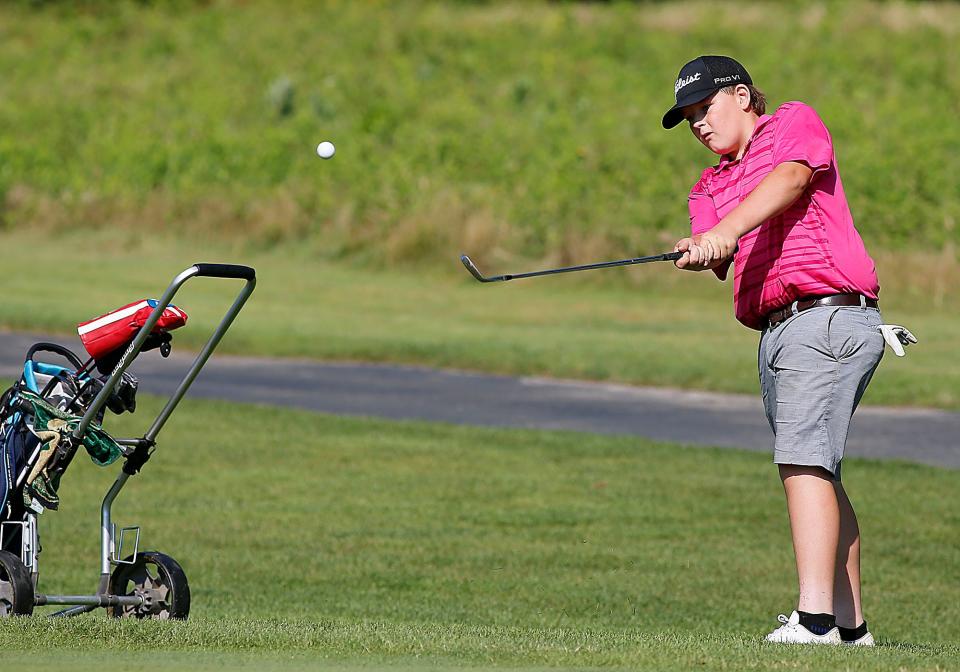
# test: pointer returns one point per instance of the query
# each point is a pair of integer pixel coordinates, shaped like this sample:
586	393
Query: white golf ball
326	150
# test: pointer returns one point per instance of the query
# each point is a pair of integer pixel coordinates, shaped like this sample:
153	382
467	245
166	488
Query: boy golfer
774	209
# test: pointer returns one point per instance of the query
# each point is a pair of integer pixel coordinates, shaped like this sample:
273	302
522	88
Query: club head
474	271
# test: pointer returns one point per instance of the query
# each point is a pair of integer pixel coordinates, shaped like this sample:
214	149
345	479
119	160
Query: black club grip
225	271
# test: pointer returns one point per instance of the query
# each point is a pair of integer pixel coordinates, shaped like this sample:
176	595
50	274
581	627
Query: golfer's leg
815	526
846	587
853	333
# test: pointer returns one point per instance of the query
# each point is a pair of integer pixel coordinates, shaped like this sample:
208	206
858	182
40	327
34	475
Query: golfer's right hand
694	258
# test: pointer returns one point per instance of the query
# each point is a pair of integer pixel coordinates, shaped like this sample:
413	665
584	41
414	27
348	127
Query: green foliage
525	127
314	539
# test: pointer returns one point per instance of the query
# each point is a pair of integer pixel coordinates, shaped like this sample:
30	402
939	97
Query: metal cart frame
136	452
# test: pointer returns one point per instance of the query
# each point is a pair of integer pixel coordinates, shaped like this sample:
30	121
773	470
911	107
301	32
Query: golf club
475	272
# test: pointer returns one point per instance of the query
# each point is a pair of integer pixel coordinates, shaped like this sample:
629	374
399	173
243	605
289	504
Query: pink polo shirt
811	249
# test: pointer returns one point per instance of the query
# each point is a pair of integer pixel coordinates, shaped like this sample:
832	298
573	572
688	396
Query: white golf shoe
866	640
791	632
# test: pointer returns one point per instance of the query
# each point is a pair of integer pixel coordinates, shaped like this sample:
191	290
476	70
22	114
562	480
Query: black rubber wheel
16	587
159	579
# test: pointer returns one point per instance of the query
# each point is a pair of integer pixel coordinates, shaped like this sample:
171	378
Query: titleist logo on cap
683	81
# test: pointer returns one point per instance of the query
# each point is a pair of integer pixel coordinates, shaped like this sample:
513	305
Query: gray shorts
814	368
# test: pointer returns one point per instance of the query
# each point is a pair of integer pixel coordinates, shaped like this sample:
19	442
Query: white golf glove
896	337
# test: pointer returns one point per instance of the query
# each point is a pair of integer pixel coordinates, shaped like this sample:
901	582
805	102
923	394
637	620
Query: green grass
504	127
303	645
666	328
313	540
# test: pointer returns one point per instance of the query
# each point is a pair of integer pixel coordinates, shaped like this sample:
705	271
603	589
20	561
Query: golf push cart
53	410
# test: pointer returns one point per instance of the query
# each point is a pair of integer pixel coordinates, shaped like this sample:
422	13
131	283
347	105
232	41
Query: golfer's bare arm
775	193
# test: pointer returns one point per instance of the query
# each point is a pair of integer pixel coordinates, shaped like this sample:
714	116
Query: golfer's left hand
718	245
693	258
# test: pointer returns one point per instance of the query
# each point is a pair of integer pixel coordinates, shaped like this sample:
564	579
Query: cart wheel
16	587
159	579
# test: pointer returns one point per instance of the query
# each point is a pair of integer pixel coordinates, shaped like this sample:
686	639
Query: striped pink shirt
813	248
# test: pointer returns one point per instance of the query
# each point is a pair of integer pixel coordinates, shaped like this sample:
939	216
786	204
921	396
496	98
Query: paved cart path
413	392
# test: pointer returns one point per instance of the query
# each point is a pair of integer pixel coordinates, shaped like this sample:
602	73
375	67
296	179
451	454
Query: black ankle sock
818	624
853	634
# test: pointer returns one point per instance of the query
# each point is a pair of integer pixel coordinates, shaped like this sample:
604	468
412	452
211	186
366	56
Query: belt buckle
781	314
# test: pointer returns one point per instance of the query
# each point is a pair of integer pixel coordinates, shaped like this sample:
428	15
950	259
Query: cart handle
225	271
208	270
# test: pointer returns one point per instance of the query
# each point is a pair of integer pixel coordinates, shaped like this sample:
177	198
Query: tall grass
502	128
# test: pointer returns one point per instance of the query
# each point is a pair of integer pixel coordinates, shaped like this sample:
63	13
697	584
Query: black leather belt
778	316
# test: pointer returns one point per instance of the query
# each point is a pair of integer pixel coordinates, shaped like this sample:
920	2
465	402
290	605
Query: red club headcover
108	332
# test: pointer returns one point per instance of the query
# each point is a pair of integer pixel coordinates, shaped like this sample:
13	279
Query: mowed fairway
321	541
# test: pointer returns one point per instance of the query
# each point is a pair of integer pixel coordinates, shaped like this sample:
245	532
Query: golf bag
43	410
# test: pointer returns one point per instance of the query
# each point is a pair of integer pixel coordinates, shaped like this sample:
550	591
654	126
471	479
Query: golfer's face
714	122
